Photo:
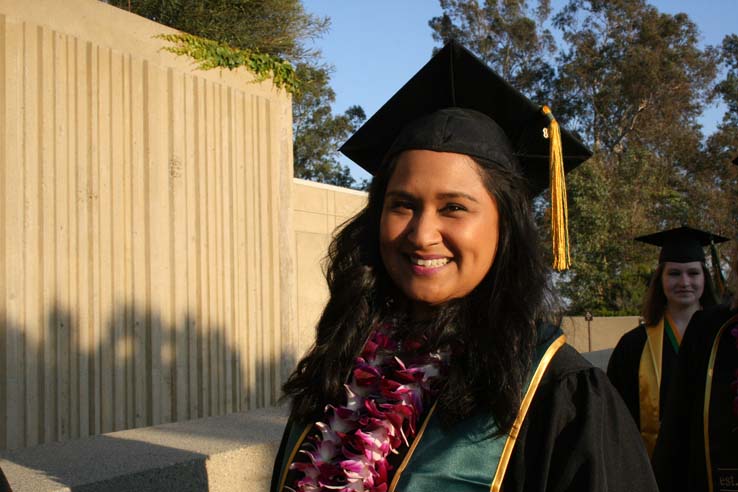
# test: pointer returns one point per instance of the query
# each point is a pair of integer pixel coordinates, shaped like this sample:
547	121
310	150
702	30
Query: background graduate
643	362
697	449
434	367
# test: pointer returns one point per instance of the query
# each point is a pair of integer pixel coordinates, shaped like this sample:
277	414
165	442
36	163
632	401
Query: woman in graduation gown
434	367
697	448
643	362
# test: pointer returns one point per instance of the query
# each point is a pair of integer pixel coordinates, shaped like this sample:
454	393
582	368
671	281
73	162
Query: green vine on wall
211	54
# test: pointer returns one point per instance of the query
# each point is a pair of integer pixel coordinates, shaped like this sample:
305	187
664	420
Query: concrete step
229	453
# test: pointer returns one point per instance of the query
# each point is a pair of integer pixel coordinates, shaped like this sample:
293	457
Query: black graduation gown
679	456
4	485
577	436
624	364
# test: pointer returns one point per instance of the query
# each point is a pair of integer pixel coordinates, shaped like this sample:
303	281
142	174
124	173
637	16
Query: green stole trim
708	394
671	333
464	459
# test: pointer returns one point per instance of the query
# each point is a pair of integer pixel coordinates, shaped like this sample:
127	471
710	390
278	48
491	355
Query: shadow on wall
65	378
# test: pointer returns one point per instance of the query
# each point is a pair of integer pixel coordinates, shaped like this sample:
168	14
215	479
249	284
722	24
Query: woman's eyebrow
457	194
442	196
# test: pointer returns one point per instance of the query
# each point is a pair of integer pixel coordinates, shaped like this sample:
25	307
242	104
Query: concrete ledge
229	453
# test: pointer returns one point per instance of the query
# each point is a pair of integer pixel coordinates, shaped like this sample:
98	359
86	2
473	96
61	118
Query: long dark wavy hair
654	305
494	327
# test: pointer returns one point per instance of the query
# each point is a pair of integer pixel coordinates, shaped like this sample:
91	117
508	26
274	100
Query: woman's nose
424	230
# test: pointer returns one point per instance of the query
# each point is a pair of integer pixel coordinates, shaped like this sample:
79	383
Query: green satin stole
465	458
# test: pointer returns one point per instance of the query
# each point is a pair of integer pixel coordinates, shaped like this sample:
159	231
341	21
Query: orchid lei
385	399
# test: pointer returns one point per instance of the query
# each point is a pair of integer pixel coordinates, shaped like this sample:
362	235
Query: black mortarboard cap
682	244
456	103
486	110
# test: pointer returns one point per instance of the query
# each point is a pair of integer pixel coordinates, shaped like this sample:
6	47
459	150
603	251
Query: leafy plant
210	54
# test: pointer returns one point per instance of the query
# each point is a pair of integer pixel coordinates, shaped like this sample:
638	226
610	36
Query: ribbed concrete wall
146	242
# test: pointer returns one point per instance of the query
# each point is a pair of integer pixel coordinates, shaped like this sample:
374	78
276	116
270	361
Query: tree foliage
317	132
508	35
275	27
716	178
266	35
633	83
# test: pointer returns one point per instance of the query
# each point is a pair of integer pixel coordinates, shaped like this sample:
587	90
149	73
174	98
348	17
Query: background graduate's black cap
471	94
682	244
456	103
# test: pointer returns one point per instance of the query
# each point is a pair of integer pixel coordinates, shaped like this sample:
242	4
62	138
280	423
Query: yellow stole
649	378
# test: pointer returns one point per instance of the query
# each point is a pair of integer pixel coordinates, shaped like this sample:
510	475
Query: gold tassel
559	211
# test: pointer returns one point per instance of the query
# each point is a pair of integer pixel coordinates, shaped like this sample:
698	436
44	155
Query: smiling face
438	231
683	283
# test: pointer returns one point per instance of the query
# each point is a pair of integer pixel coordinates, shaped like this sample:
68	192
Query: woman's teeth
437	262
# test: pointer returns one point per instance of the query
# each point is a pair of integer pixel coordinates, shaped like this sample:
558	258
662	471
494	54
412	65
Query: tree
717	178
507	35
280	28
632	82
276	27
317	132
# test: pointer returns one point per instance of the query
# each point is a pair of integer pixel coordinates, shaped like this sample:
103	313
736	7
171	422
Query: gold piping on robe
411	450
525	405
514	431
292	455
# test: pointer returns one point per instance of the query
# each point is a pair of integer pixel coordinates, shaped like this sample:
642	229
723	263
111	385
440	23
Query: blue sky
375	46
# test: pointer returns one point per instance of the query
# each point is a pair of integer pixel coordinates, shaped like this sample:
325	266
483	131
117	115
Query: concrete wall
318	210
605	331
146	239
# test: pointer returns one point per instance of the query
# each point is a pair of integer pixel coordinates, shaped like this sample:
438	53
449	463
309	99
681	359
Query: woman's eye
454	207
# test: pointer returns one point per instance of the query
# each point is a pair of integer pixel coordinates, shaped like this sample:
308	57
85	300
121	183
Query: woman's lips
427	265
